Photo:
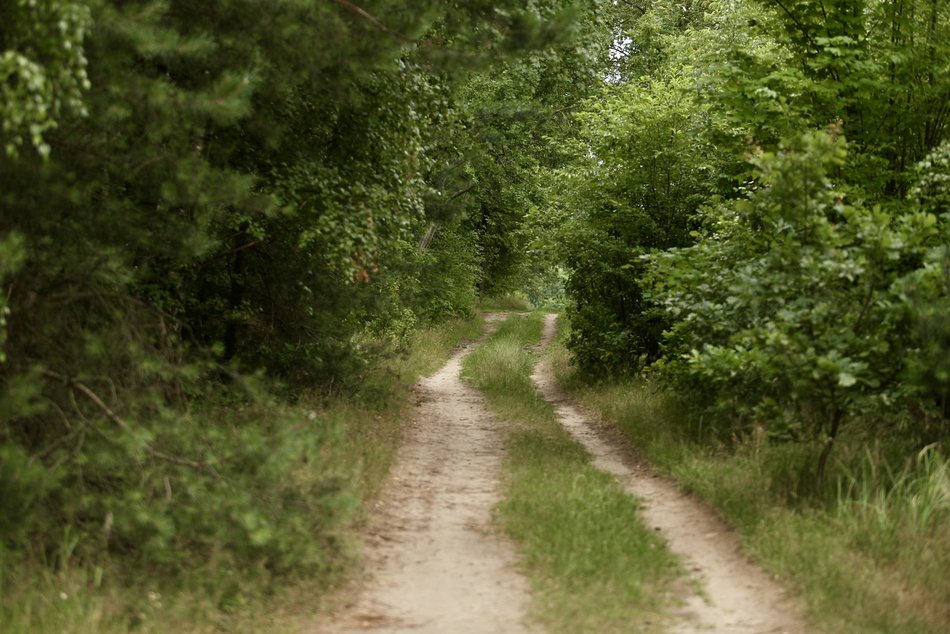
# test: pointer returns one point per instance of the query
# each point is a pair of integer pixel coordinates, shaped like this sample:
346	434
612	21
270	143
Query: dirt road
436	565
736	597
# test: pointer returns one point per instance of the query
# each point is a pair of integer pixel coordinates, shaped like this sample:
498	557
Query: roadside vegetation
593	565
757	219
324	458
868	547
755	232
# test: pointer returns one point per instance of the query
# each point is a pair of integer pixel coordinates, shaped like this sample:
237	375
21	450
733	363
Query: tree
42	69
778	279
802	329
241	196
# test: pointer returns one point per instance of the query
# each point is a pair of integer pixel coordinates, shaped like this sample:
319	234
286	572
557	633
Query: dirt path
739	597
436	566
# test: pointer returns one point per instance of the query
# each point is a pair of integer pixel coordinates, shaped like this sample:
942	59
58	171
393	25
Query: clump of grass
593	564
915	498
868	548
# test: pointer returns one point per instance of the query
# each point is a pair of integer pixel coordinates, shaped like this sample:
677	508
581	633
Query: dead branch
73	384
369	17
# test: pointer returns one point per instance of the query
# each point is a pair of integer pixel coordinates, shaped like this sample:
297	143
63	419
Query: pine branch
369	17
86	391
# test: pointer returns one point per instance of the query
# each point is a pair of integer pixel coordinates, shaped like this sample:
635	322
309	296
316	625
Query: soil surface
434	563
735	596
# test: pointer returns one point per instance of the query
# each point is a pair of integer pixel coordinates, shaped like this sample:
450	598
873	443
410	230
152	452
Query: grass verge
593	565
51	593
869	552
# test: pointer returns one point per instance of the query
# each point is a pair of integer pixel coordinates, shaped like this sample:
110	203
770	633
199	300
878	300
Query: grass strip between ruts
592	564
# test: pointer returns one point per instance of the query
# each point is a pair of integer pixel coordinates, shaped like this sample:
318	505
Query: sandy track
739	598
435	565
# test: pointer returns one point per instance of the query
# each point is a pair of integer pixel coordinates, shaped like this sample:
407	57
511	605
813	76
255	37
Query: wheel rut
736	596
436	565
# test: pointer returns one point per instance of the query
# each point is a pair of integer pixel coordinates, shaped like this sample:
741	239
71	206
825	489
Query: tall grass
593	565
915	497
868	547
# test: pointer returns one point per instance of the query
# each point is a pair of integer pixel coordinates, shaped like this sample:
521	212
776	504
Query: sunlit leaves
42	69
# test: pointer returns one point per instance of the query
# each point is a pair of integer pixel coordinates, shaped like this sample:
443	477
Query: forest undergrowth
320	478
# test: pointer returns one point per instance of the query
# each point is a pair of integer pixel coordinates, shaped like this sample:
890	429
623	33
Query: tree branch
794	18
369	17
73	384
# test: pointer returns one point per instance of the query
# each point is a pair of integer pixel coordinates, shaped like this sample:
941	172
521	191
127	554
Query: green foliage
521	114
277	510
878	67
42	69
647	165
227	201
774	275
11	258
801	319
926	292
802	304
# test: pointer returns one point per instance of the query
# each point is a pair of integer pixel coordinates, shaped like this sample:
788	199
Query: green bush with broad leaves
809	321
717	228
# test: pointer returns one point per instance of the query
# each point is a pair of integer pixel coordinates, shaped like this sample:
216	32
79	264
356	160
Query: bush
805	326
235	491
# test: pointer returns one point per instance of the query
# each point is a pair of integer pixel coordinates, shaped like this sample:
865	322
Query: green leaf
846	379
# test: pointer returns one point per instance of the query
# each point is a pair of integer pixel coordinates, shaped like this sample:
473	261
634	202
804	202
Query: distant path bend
740	597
